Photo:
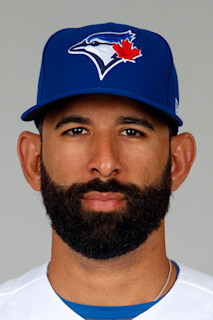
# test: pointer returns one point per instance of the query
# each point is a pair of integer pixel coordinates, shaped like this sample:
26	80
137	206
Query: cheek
146	165
64	164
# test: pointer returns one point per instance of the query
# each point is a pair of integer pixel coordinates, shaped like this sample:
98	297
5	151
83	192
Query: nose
104	161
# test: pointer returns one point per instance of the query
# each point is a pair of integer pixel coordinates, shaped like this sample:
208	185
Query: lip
103	196
103	201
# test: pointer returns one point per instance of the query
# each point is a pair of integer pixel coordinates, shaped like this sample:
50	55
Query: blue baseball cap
111	59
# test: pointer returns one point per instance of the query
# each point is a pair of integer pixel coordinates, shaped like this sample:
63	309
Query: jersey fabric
31	297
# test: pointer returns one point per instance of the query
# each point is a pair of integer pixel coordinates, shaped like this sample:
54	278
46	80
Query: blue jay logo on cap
108	49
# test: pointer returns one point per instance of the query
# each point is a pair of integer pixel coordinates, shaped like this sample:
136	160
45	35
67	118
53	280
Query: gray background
25	237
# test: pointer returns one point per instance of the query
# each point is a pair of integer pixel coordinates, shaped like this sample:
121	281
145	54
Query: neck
133	278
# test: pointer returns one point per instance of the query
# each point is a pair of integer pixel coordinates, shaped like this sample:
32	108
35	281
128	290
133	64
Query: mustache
129	190
111	185
77	190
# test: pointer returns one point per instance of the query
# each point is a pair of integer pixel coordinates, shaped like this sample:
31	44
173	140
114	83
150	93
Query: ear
29	146
183	151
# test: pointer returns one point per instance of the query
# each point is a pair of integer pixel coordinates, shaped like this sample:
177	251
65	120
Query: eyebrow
136	120
121	120
77	119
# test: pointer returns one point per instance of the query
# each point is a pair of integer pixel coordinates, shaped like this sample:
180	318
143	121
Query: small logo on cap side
176	106
108	49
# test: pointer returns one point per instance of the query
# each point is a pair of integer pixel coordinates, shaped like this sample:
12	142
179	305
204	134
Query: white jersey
31	297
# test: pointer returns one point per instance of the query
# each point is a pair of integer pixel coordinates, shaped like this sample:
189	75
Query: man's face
105	174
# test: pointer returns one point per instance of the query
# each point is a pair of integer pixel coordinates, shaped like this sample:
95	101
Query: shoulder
15	285
191	297
14	289
195	280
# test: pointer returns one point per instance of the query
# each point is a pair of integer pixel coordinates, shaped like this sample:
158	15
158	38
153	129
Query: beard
105	235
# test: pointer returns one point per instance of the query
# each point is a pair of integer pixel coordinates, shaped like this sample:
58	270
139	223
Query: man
106	160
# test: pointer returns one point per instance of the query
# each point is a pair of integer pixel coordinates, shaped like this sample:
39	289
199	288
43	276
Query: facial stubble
104	235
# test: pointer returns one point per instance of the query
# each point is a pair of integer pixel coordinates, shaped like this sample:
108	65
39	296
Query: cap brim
38	110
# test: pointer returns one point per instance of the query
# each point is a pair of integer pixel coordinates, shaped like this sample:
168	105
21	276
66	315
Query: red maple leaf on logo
126	51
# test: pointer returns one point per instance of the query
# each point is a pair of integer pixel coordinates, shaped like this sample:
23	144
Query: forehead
109	105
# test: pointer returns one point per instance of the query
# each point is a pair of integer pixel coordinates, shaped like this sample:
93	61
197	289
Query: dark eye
132	133
76	132
95	43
